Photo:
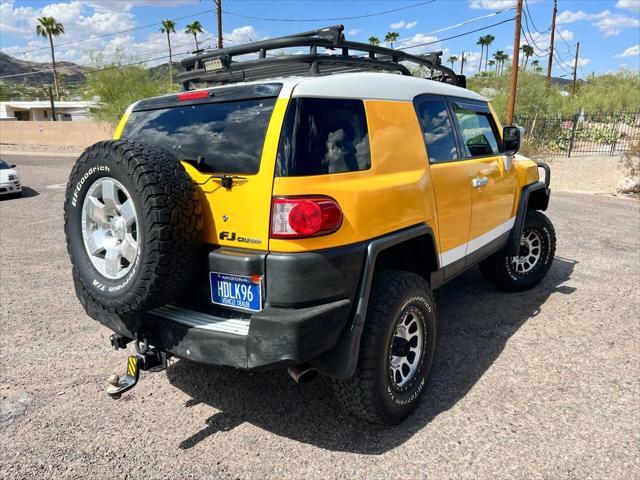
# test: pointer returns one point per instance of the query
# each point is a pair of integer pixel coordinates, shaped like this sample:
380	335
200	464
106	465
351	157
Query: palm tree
169	27
527	50
374	41
491	64
452	60
391	37
482	43
536	66
194	29
488	41
500	58
48	27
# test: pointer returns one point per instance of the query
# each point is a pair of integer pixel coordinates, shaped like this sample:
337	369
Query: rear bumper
308	300
273	338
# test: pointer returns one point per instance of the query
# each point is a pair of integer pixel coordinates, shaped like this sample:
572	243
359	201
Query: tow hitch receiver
152	360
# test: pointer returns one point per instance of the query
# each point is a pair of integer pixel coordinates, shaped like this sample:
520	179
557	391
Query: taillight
183	97
299	217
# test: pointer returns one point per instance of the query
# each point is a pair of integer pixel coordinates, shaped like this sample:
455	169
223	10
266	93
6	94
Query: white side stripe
461	251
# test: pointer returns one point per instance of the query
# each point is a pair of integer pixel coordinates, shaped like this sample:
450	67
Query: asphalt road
543	384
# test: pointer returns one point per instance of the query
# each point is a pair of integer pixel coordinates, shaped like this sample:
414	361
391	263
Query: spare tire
132	223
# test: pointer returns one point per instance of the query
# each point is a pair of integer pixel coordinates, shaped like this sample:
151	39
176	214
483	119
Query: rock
13	405
629	185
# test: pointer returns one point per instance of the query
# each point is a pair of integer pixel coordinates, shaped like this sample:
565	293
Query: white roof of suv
372	85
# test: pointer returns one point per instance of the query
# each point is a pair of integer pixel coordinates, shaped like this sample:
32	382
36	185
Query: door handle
479	181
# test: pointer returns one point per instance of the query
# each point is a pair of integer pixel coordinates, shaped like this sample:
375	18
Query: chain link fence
602	133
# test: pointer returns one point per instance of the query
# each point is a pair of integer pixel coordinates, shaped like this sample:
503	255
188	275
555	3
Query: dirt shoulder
582	174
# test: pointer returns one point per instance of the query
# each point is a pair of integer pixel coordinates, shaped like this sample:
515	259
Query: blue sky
608	30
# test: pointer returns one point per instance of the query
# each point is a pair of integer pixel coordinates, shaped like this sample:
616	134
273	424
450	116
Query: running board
203	321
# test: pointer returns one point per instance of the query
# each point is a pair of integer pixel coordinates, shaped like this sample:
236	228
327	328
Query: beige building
40	110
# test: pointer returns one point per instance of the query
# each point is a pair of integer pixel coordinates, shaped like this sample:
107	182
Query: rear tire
396	352
132	222
525	271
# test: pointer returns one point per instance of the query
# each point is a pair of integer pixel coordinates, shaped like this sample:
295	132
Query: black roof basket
226	65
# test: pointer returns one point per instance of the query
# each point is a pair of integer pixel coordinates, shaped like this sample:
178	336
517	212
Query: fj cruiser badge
232	237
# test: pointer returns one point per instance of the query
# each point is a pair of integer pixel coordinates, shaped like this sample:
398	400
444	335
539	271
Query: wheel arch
534	196
341	361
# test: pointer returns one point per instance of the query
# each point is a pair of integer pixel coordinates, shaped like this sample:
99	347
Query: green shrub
117	86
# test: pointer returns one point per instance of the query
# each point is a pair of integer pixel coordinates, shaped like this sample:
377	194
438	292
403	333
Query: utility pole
575	70
462	63
53	108
511	105
553	38
219	12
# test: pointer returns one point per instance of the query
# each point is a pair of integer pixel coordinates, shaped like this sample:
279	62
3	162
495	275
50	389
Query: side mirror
12	166
510	140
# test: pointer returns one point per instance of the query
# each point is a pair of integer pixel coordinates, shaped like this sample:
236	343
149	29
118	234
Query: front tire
396	353
530	266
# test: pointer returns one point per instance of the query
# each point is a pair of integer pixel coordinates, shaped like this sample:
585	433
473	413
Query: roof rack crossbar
224	66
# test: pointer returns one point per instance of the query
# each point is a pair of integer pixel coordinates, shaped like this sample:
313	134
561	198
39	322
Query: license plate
236	291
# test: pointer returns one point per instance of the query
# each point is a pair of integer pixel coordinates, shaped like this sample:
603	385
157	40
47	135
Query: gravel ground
582	174
543	384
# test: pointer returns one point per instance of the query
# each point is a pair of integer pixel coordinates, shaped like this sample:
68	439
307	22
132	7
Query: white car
9	179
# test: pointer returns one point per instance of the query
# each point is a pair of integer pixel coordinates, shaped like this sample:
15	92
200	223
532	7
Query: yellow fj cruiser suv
299	215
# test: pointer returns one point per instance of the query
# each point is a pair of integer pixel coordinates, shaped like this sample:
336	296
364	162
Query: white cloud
471	62
83	21
631	5
495	4
403	24
17	20
419	39
583	62
241	35
568	16
354	31
633	51
612	24
608	23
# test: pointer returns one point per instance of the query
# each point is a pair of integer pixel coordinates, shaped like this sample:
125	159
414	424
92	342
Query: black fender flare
541	192
341	361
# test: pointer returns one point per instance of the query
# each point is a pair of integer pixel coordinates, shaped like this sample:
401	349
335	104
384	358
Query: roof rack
226	65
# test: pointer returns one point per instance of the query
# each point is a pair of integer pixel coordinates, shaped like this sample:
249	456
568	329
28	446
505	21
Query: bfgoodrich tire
396	353
530	266
132	223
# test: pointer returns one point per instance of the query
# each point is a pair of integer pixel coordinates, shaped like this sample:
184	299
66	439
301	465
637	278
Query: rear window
322	136
226	137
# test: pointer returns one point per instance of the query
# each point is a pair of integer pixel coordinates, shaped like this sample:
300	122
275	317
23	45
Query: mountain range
16	71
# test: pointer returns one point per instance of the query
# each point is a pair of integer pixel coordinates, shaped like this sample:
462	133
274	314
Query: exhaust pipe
304	373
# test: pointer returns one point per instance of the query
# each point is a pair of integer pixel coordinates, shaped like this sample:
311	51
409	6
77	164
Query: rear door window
478	129
322	136
223	137
437	128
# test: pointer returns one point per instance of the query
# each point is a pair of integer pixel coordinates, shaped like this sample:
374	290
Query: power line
451	27
526	5
570	47
73	42
531	40
560	62
326	19
457	36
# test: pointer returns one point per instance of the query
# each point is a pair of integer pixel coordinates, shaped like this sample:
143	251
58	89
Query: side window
479	133
437	129
322	136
